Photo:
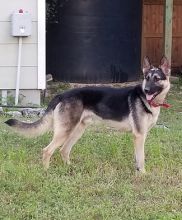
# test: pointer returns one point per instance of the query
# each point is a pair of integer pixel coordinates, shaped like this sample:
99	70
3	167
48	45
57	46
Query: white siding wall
9	47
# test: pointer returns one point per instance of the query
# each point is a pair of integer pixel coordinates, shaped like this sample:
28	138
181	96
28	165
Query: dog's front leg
139	141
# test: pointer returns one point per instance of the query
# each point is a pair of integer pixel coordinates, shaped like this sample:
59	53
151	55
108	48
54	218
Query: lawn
101	182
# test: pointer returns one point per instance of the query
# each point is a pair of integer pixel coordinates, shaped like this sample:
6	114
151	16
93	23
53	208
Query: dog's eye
147	78
156	78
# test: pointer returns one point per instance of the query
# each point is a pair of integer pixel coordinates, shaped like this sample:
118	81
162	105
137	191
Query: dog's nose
146	90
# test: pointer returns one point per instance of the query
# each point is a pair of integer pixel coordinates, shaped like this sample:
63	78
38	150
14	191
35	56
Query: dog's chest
152	120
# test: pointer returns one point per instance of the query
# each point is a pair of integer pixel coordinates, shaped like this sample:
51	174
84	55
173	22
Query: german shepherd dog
135	109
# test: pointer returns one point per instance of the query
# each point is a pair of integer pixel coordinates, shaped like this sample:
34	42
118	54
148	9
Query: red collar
164	105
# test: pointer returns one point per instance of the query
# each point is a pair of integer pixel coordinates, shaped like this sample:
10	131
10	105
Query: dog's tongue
149	97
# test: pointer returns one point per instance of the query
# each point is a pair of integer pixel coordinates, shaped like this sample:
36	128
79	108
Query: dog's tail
34	129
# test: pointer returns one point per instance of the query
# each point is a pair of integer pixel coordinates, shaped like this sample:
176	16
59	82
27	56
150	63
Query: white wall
32	62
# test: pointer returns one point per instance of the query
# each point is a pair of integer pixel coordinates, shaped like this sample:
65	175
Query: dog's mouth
150	97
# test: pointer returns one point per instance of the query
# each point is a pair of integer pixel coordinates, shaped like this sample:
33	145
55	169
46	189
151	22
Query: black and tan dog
135	109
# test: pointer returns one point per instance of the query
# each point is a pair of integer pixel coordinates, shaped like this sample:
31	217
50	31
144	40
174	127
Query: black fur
11	122
158	71
106	102
140	94
24	125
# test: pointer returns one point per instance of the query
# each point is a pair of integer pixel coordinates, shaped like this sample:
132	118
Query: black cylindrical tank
95	41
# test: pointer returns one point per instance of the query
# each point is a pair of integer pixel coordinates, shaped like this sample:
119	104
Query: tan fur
65	136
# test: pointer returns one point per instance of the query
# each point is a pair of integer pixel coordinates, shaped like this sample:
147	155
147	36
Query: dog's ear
165	66
146	65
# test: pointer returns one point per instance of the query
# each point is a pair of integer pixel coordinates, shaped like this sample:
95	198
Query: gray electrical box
21	24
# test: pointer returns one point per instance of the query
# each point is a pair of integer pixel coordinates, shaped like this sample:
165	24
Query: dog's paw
65	158
140	171
66	161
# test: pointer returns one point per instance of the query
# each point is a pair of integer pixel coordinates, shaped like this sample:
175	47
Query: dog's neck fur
159	99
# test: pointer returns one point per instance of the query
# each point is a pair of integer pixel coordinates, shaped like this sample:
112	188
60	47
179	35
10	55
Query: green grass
101	182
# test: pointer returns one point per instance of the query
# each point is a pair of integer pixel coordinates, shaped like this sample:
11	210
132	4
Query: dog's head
156	79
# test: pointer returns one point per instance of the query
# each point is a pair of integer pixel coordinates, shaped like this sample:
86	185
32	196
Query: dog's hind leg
65	121
48	151
62	129
72	139
70	142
